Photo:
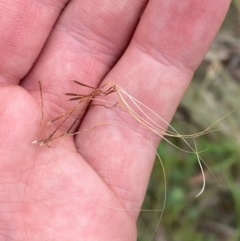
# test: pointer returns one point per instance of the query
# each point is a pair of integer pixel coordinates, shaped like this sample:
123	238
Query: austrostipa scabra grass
139	112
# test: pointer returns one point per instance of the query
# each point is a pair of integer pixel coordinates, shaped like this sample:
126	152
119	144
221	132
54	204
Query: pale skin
60	194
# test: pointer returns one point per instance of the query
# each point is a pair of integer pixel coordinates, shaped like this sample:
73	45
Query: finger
168	45
86	42
24	27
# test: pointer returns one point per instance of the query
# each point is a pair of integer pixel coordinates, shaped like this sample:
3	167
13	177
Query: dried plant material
84	99
136	110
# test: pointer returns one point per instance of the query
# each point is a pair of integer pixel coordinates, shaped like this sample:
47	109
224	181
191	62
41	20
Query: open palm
152	52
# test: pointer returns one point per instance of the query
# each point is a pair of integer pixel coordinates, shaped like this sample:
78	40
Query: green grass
214	92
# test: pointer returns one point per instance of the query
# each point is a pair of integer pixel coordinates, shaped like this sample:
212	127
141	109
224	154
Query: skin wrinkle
171	26
113	159
163	59
97	31
9	42
120	192
100	49
146	67
52	3
107	10
108	180
98	34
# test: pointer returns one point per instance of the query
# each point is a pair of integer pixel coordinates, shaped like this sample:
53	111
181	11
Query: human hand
60	194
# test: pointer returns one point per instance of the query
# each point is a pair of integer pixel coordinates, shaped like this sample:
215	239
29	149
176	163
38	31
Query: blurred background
213	93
